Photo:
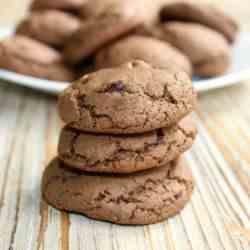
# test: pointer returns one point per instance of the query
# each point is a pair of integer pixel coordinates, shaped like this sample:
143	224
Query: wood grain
218	217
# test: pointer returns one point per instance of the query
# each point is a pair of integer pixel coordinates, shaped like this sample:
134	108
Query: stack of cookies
119	155
63	39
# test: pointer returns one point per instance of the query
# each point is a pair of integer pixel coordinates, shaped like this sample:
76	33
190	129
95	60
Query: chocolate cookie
151	50
203	14
143	198
148	10
206	49
66	5
95	34
52	26
132	98
125	154
29	57
95	8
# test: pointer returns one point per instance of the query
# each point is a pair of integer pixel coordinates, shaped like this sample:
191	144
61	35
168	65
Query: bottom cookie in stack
140	198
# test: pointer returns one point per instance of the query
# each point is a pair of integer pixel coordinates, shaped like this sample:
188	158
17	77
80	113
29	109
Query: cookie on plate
203	14
66	5
128	153
147	10
132	98
150	50
141	198
52	27
95	8
207	49
29	57
95	34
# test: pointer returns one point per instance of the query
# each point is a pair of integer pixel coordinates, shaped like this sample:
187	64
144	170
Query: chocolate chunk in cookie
150	50
203	14
52	27
150	98
143	198
29	57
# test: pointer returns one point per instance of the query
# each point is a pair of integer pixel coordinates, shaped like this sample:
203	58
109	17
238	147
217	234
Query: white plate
238	72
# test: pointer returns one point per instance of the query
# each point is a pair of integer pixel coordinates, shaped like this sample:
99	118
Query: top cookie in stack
132	98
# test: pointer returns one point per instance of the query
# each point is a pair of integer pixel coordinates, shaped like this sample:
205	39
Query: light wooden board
217	218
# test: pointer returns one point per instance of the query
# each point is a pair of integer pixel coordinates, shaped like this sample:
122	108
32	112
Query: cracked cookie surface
201	13
26	56
132	98
52	27
150	50
125	154
141	198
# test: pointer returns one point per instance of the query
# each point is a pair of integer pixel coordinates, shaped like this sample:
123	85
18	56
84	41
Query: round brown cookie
95	8
147	10
29	57
141	198
66	5
150	50
203	14
52	26
206	49
95	34
132	98
125	154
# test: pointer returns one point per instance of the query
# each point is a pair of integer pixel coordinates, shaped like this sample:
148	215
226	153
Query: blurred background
11	11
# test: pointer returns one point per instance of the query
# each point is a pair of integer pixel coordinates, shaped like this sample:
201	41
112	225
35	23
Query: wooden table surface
218	217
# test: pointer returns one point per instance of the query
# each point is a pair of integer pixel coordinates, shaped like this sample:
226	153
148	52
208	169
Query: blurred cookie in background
29	57
66	5
52	27
207	49
150	50
96	34
201	13
147	10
